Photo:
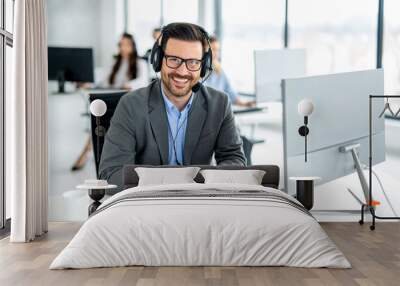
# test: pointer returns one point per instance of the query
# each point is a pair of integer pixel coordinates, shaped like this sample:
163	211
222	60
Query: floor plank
374	255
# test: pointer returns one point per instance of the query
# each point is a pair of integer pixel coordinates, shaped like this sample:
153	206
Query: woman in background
219	80
129	71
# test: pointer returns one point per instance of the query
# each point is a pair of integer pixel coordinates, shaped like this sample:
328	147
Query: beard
178	85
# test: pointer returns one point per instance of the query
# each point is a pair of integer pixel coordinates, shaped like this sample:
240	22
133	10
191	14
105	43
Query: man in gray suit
175	120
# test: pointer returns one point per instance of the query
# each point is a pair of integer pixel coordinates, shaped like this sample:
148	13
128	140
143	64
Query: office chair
111	99
247	148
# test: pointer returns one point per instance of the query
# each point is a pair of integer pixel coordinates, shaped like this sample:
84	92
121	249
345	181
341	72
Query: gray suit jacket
138	132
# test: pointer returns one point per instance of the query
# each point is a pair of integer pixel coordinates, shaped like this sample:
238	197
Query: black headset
157	52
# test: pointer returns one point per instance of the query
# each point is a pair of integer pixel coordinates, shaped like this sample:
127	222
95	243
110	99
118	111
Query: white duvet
183	231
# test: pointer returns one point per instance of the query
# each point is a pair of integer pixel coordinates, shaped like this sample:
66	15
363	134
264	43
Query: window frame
6	39
286	27
379	28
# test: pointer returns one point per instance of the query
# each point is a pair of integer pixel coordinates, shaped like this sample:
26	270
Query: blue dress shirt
177	123
220	82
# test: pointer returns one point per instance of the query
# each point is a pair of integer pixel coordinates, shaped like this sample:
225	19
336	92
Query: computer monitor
70	64
271	66
340	119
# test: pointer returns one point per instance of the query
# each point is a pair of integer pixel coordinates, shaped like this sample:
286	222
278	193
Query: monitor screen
70	64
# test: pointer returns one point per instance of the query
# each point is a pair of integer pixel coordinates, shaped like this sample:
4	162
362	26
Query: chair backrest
247	147
111	99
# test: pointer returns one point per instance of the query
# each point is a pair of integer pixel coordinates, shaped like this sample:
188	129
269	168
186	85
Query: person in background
219	80
129	71
152	75
155	34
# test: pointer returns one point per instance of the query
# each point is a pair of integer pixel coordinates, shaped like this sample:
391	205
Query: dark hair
133	70
213	39
156	30
185	32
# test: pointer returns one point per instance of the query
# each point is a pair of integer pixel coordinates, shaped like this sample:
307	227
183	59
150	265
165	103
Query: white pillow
166	176
248	177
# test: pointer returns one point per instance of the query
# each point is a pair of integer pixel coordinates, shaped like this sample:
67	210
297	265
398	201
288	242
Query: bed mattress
201	225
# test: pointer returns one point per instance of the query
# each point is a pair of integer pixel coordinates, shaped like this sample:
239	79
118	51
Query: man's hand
245	103
126	86
84	85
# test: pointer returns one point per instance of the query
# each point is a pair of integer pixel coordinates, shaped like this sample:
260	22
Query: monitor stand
361	176
61	83
61	86
61	89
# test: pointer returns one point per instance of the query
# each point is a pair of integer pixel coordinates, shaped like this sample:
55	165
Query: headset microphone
197	87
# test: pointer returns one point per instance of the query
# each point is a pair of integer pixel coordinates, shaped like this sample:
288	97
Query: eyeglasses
175	62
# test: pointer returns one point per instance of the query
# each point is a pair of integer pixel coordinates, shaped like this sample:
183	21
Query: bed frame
270	179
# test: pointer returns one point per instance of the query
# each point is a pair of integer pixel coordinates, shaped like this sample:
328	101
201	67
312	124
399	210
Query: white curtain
27	123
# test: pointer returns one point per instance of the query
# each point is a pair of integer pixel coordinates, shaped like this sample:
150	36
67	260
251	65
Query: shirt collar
170	106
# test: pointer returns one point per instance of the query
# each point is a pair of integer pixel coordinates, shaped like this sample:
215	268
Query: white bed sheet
200	231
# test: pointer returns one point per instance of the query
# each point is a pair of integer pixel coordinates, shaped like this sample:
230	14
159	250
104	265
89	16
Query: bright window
9	15
8	69
143	17
245	29
5	91
338	35
180	11
391	46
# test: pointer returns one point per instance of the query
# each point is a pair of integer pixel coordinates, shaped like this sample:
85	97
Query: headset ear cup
153	54
206	65
160	57
156	57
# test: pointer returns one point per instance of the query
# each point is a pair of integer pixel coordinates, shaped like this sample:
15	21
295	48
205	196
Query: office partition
340	118
271	66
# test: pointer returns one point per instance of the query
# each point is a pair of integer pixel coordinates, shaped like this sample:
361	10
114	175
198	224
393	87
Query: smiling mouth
180	80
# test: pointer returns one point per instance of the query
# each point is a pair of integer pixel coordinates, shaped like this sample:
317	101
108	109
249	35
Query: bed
201	224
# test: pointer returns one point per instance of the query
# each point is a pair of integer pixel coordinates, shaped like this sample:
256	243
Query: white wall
86	23
110	27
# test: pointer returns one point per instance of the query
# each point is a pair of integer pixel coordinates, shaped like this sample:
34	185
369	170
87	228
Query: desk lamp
305	108
98	108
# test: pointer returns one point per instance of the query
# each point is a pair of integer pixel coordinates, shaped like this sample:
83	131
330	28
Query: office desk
257	108
242	109
260	115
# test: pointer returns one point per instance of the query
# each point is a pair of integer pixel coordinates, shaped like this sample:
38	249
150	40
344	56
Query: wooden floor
375	257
